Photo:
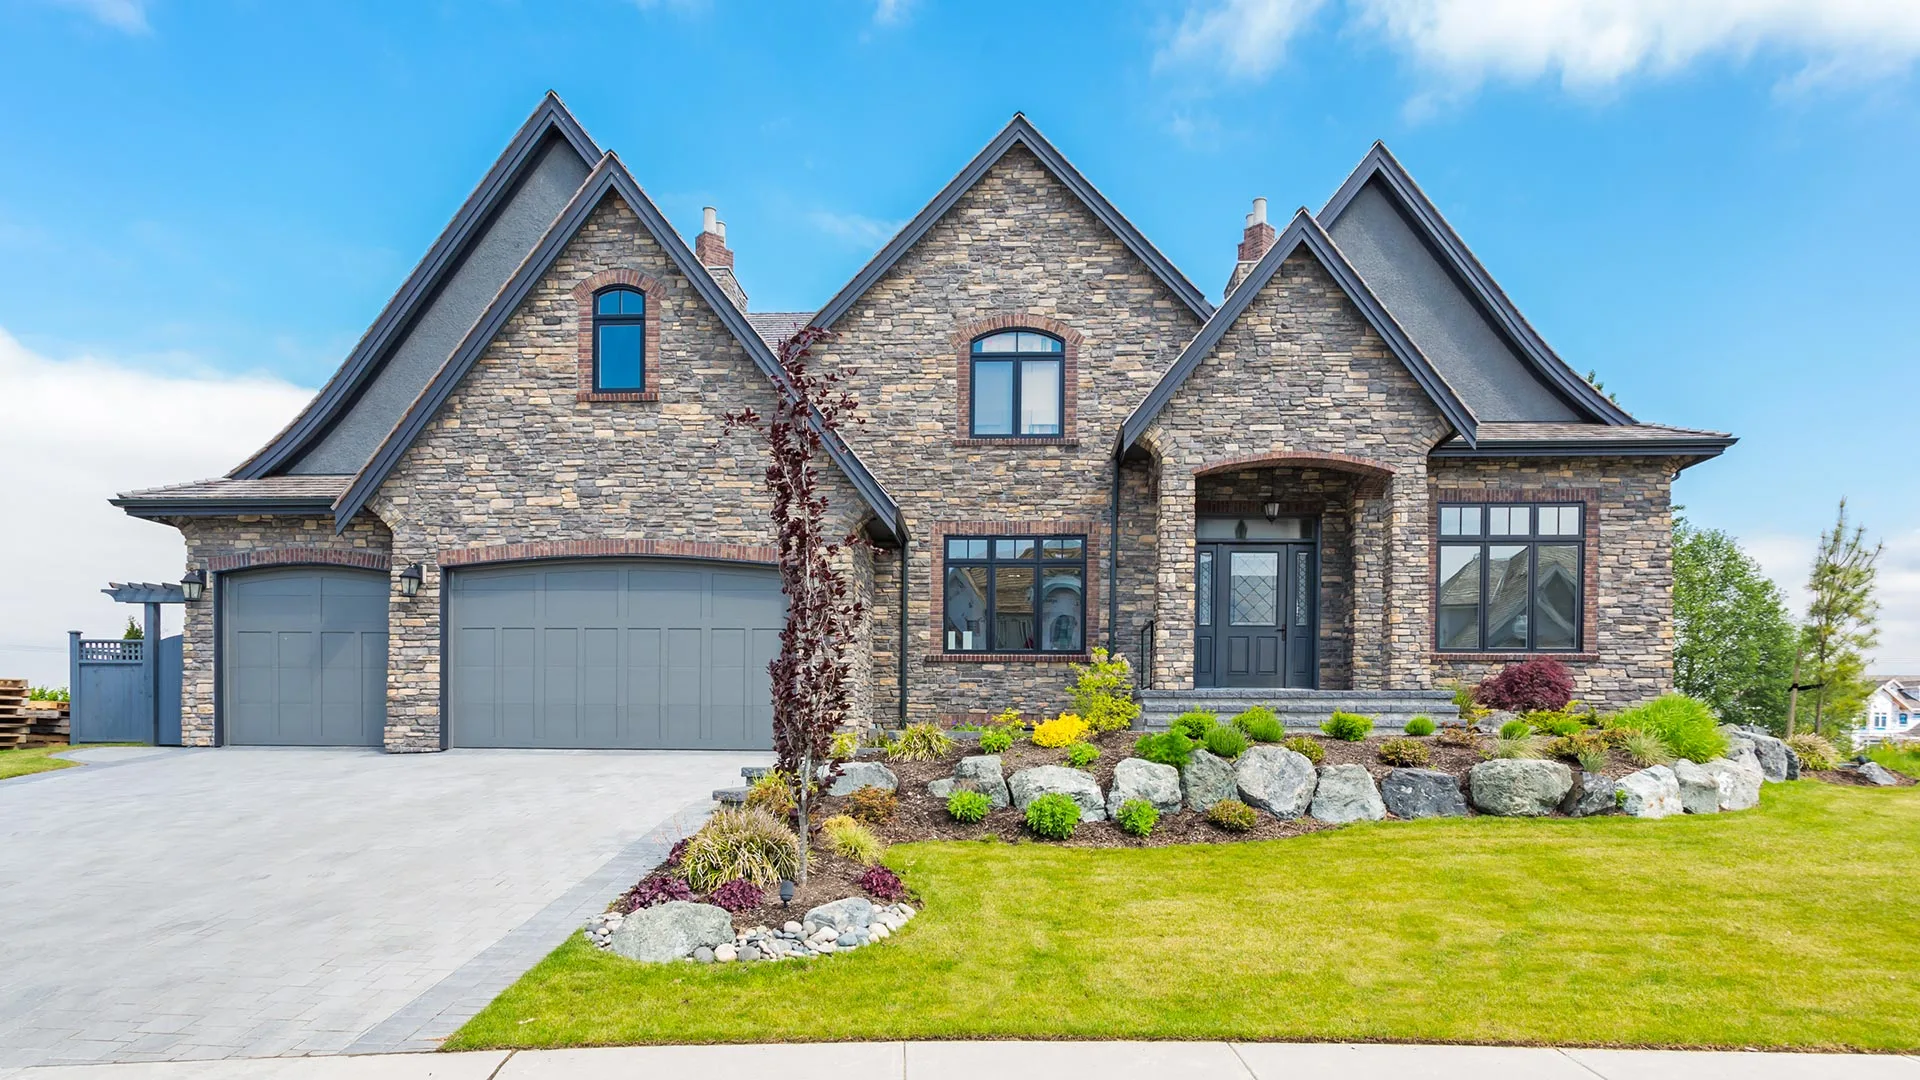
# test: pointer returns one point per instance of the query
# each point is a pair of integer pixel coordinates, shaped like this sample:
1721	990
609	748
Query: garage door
628	654
304	656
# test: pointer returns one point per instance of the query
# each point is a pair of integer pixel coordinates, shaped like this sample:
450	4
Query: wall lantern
194	585
1272	510
410	580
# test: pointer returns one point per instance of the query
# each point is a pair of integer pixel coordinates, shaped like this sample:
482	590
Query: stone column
1368	537
1173	580
1409	609
413	648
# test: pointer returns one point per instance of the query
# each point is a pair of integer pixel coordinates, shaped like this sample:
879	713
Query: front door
1255	614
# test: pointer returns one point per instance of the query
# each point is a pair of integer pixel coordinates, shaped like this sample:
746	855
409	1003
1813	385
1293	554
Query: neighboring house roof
1586	440
227	496
1018	132
608	177
1904	691
776	327
1302	231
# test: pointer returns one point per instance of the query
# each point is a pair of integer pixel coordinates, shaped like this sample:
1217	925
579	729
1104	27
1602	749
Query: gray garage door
304	657
631	654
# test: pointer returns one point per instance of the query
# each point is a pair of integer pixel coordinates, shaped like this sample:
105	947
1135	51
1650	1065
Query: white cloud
1246	38
1788	558
127	15
854	228
888	12
79	431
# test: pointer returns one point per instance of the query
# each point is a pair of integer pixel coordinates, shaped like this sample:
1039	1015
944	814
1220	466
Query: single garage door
304	656
629	654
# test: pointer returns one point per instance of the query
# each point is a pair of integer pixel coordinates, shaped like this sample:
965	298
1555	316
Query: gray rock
1138	778
792	927
1029	784
1737	781
749	953
1275	779
1650	793
1422	793
1592	794
1699	794
1738	739
1778	762
725	954
855	775
983	771
847	940
1875	773
671	930
704	955
940	789
1346	793
1518	787
840	916
1492	722
1207	779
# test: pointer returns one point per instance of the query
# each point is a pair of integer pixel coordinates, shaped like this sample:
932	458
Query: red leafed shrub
737	895
883	885
654	891
679	849
1530	686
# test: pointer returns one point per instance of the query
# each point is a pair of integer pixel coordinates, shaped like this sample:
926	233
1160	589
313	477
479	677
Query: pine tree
1840	626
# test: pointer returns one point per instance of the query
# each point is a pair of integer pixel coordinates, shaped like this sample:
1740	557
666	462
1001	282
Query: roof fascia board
1381	163
1649	447
550	117
1302	231
1021	132
160	508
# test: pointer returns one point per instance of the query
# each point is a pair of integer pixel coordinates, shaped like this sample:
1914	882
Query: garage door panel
304	656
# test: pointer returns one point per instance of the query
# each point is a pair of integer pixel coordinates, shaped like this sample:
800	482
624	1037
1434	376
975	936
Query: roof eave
157	509
1699	448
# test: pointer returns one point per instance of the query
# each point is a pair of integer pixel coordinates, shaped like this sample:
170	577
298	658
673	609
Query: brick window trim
299	556
1589	501
962	340
936	630
583	294
758	554
1372	476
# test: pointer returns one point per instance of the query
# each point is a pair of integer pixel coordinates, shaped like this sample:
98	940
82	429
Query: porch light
194	585
410	579
1272	510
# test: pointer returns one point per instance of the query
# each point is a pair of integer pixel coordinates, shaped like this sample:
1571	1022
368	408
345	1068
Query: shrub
1515	729
737	895
883	885
1406	753
1102	692
750	844
1307	747
1231	815
1059	731
1225	742
1550	722
1137	817
1010	720
851	840
1593	761
1080	755
875	804
996	741
1531	685
1647	749
1464	704
1420	725
1167	748
652	891
1456	735
1522	747
772	792
1815	752
843	746
678	849
1260	725
1347	727
1687	725
1194	723
920	742
1253	716
968	807
1053	816
1571	747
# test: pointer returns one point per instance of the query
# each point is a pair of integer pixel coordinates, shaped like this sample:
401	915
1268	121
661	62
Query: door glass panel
1302	594
1253	588
1459	596
1556	596
1203	589
966	606
1253	528
1013	627
1060	608
1507	596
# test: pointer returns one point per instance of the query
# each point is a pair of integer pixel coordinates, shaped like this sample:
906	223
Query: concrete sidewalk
1025	1061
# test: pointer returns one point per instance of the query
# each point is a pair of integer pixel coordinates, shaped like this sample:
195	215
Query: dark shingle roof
775	327
1519	438
266	494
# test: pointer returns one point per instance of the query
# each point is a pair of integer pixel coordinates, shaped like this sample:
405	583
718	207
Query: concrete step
1299	710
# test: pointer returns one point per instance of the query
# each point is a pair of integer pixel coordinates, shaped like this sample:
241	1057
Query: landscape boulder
1699	792
941	788
1029	784
1207	779
1420	793
1138	778
855	775
1875	773
1275	779
671	930
1346	793
1518	787
1738	780
1592	794
1650	793
1777	760
984	774
842	916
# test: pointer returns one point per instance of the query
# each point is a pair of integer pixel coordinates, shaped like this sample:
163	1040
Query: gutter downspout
1113	561
904	545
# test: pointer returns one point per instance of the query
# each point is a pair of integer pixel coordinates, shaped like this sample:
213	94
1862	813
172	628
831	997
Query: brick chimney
1255	242
710	247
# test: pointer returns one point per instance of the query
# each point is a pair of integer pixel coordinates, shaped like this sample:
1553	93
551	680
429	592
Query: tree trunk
1793	693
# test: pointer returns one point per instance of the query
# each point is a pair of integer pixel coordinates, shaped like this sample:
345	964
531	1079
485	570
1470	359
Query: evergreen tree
1840	627
1734	641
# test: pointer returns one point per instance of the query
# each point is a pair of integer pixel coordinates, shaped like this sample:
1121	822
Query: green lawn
32	759
1788	926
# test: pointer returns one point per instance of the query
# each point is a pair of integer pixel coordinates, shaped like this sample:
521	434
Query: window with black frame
1011	594
619	340
1510	577
1016	382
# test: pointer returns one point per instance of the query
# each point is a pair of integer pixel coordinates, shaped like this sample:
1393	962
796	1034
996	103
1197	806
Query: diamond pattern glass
1253	588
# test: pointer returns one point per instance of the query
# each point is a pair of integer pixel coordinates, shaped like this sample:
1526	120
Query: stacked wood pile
14	723
49	723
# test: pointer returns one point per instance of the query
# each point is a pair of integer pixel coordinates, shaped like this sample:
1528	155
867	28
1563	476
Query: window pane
633	302
609	302
1030	342
1556	597
966	607
956	549
1559	521
993	398
1040	397
1203	589
1005	342
1017	547
1459	597
1449	521
1507	596
1062	549
1253	588
1302	588
619	367
1013	627
1469	521
1509	520
1060	591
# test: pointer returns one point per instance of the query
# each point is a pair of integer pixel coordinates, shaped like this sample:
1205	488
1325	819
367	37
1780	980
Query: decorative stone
1592	794
1494	721
671	930
1207	779
1778	762
1650	793
749	953
879	931
1029	784
941	789
1737	781
725	954
1518	787
1346	793
792	927
855	775
1875	773
1138	778
840	915
1275	779
847	940
983	771
704	955
1421	793
1699	794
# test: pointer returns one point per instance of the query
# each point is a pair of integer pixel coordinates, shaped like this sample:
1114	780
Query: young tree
1734	642
1839	627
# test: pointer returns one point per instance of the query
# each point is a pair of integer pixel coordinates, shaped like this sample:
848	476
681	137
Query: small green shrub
1225	742
1522	747
1137	817
875	804
1307	747
1593	761
1456	735
750	844
1464	703
772	792
1080	755
996	741
1258	718
851	840
1647	749
920	742
1816	753
1231	815
1102	692
1195	723
1053	816
1686	725
1167	748
1515	729
1264	730
1347	727
968	807
1405	753
1570	747
1555	722
844	745
1420	725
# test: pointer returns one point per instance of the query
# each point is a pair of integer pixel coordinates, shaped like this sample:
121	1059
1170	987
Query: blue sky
1713	211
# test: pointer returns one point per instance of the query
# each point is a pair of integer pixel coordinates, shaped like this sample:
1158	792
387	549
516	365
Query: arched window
1017	384
619	340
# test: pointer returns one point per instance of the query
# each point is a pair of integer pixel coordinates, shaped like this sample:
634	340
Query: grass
32	759
1688	931
1905	761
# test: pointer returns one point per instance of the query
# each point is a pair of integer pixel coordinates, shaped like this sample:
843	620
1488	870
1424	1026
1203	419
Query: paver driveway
241	902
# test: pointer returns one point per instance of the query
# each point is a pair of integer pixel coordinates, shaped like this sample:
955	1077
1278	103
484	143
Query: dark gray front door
304	656
627	654
1255	616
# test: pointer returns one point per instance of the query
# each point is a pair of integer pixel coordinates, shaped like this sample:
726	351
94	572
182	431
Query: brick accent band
650	359
298	556
593	549
962	340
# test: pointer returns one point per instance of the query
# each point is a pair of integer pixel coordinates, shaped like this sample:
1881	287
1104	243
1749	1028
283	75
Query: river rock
672	930
855	775
1650	793
1518	787
840	916
1346	793
1138	778
1207	779
1275	779
1029	784
984	772
1421	793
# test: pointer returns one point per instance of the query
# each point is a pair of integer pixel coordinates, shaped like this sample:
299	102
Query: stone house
517	515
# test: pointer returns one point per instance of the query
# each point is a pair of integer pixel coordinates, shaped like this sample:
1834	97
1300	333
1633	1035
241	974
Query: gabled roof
1381	166
608	177
1302	231
1018	132
549	119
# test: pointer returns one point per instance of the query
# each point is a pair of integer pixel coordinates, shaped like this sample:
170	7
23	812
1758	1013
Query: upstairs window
1510	578
1017	381
619	340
